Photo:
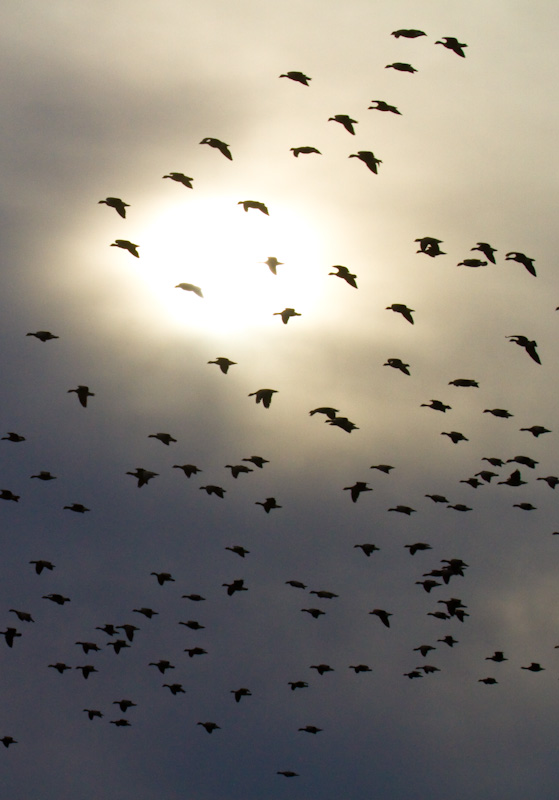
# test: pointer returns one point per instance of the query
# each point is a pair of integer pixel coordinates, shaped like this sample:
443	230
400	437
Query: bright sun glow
217	246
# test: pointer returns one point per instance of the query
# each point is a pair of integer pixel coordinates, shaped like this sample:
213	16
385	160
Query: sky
103	100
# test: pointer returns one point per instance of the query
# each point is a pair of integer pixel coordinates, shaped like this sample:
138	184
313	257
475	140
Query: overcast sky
103	99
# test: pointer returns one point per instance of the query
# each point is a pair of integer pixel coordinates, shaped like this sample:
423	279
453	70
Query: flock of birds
122	636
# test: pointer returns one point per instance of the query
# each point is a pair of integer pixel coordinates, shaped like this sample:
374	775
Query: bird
536	430
525	460
10	634
424	649
238	550
527	344
327	410
143	476
534	667
428	668
401	308
109	629
428	584
209	726
299	77
246	204
449	640
346	121
237	469
528	263
472	262
286	314
60	667
6	494
382	615
357	489
382	468
381	105
514	479
125	244
464	382
179	177
551	480
321	668
93	712
13	437
453	44
495	462
120	723
455	436
499	412
190	287
258	461
263	396
124	705
430	246
297	685
487	250
83	393
401	67
43	336
237	585
44	475
314	612
473	482
129	630
118	645
196	598
165	438
87	646
437	498
342	422
310	729
268	504
162	577
223	363
296	584
368	549
360	668
344	274
78	508
23	616
8	740
304	150
459	507
86	670
288	773
211	489
488	681
413	674
221	146
525	506
436	405
195	651
162	665
323	594
175	688
368	158
417	546
403	510
147	612
119	205
272	263
188	469
242	692
408	33
397	363
497	656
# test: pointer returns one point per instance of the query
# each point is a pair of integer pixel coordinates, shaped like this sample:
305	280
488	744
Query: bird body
43	336
345	274
408	33
180	177
299	77
401	67
367	158
304	150
125	244
272	263
381	105
268	504
119	205
397	363
382	615
190	287
219	145
401	308
451	43
223	363
263	396
286	314
143	476
528	263
83	393
217	490
357	489
346	121
246	204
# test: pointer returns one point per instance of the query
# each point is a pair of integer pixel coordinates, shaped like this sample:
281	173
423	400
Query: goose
60	667
223	363
381	105
455	436
403	510
397	363
188	469
487	250
124	705
536	430
6	494
408	33
246	204
464	382
237	585
180	177
43	336
401	308
193	624
120	723
190	287
346	121
87	670
195	651
219	145
272	263
499	412
534	667
424	649
125	244
237	469
344	274
430	246
437	498
297	685
143	476
78	508
299	77
310	729
162	665
528	263
118	645
8	740
428	584
286	314
288	773
175	688
382	615
323	594
368	158
209	726
242	692
165	438
417	546
342	422
321	668
238	550
436	405
119	205
486	475
10	634
211	489
357	488
296	584
13	437
488	681
196	598
162	577
268	504
109	629
401	67
314	612
258	461
360	668
472	263
368	549
527	344
23	616
147	612
451	43
87	646
551	480
129	630
93	712
83	393
497	656
327	410
304	150
263	396
44	475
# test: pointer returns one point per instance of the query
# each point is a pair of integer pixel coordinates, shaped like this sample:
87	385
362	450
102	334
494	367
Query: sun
217	247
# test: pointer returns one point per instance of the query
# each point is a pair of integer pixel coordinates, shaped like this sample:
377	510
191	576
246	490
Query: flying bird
238	550
190	287
455	436
451	43
209	726
382	615
78	508
381	105
221	146
237	585
258	461
211	489
527	344
401	67
223	363
268	504
401	308
403	510
524	260
397	363
143	476
304	150
246	204
83	393
536	430
162	577
272	263
345	274
165	438
342	422
498	412
408	33
357	489
464	382
327	410
238	693
43	336
180	177
430	246
367	158
237	469
472	262
314	612
286	314
41	564
188	469
368	549
44	475
487	250
263	396
436	405
13	437
119	205
346	121
124	244
299	77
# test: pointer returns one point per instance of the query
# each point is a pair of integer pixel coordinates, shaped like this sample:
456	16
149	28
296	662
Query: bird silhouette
87	646
143	476
120	723
119	205
528	263
382	615
430	246
237	585
296	584
129	630
453	44
455	436
176	688
497	656
195	651
180	177
488	681
8	740
219	145
357	489
86	670
346	121
397	363
534	667
6	494
286	314
536	430
83	393
23	616
272	263
237	469
424	649
93	712
43	336
401	67
527	344
464	382
223	363
288	773
314	612
403	510
242	692
310	729
78	508
13	437
297	684
304	150
514	479
165	438
408	33
238	550
190	287
10	634
472	262
125	244
209	726
60	667
327	410
268	504
147	612
401	308
498	412
368	158
246	204
436	405
551	480
417	546
487	250
381	105
368	549
162	577
188	469
263	396
162	665
44	475
357	668
258	461
124	705
299	77
345	274
211	489
386	468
